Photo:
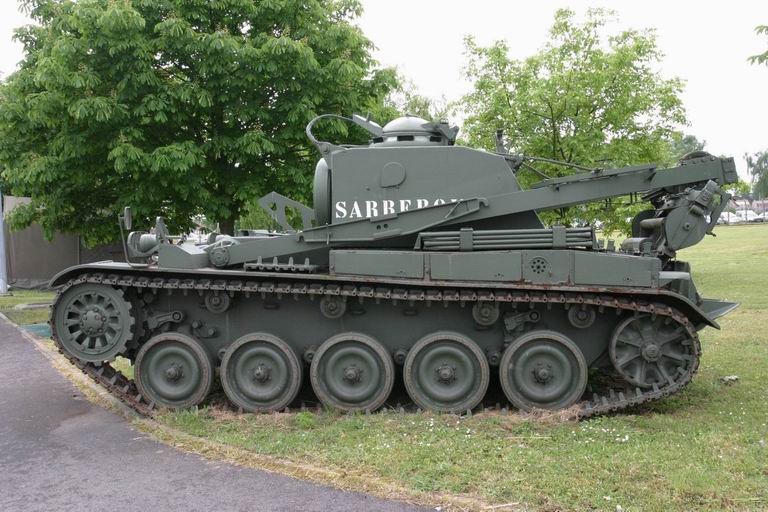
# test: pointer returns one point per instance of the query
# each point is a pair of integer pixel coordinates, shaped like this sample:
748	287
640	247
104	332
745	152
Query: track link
610	401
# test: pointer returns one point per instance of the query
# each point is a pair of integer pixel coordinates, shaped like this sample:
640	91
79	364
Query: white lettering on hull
355	209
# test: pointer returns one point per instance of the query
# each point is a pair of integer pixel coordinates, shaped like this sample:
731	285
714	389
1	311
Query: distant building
743	203
760	205
31	260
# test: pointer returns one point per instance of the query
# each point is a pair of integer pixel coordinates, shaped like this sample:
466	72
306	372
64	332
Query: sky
705	43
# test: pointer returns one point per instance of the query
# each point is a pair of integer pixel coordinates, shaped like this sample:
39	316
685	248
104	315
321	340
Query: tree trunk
227	226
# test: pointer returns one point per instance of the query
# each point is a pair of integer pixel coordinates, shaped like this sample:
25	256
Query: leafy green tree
176	107
757	164
739	189
760	58
406	99
586	97
682	144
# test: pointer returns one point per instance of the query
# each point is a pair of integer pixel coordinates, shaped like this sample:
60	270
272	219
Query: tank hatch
415	131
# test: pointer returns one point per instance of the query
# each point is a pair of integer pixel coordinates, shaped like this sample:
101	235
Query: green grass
25	317
15	297
28	317
702	449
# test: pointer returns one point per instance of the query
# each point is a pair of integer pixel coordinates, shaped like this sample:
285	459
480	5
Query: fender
701	315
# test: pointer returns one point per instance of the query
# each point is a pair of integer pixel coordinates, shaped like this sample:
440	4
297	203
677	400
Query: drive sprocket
92	322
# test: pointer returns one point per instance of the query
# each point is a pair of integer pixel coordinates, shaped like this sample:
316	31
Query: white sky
705	43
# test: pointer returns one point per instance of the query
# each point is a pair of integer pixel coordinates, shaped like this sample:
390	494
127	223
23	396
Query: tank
422	275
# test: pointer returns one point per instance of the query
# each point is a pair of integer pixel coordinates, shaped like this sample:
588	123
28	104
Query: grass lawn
28	316
704	449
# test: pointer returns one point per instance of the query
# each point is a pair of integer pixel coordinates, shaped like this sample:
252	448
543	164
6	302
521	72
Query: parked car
729	218
749	216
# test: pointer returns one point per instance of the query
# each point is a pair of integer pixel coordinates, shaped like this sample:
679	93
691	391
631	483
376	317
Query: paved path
60	452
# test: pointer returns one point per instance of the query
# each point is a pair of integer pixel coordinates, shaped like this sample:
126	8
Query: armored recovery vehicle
422	261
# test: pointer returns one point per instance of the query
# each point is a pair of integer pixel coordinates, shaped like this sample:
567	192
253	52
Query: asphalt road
59	452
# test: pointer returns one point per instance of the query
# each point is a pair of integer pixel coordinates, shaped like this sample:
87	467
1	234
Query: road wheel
260	373
173	370
543	370
446	372
352	372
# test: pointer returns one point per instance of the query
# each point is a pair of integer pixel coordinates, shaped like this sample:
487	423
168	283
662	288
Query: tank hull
396	313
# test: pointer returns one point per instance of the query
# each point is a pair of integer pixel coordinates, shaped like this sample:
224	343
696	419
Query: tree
760	58
585	97
406	99
757	164
682	144
176	107
739	189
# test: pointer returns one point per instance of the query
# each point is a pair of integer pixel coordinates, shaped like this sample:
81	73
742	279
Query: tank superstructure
421	261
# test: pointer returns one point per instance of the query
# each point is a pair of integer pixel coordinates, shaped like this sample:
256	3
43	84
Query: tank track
609	401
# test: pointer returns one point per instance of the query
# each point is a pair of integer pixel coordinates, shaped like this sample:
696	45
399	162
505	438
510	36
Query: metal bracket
444	129
155	321
278	214
161	231
366	124
202	331
514	324
714	215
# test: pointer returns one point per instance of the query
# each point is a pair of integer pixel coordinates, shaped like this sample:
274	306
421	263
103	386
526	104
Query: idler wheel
260	373
648	351
446	372
543	370
173	370
93	322
352	372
